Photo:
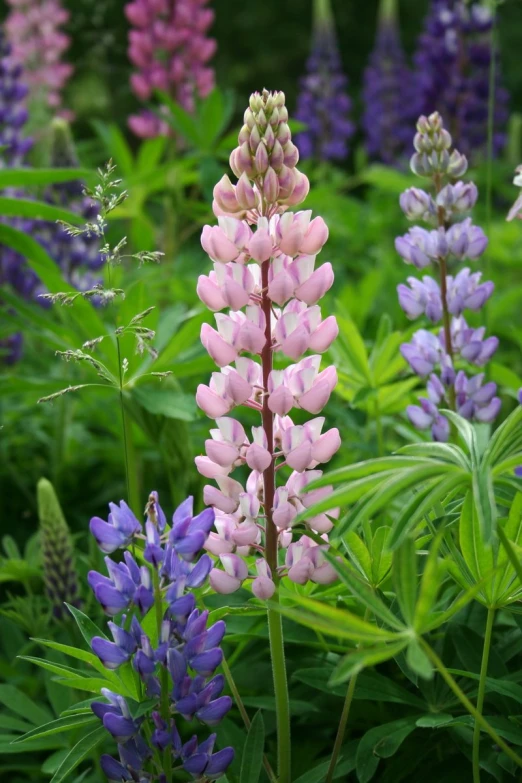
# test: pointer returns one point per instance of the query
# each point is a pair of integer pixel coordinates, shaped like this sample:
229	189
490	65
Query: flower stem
275	626
461	696
447	322
341	729
277	652
244	714
481	692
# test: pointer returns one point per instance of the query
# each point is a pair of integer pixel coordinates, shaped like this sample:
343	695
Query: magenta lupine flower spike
34	29
266	278
450	239
169	46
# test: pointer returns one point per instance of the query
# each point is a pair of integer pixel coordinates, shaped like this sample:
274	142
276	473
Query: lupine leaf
427	500
18	702
373	502
443	451
477	554
500	444
37	210
429	586
369	468
405	578
27	177
381	742
484	502
352	663
74	652
88	629
252	762
364	593
57	727
345	765
78	753
334	622
466	432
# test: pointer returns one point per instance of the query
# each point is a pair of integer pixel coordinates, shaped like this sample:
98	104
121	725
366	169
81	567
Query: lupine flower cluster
13	114
452	63
169	46
78	257
264	261
176	664
34	28
13	117
441	356
389	93
323	103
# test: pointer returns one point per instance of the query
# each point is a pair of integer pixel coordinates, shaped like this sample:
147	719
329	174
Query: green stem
341	729
481	693
244	714
461	696
277	652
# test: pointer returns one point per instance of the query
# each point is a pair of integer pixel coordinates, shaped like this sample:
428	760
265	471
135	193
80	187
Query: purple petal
215	711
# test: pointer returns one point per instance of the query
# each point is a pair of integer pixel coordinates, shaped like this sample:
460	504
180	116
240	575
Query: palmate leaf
363	592
334	622
370	468
422	503
387	491
446	452
362	658
502	443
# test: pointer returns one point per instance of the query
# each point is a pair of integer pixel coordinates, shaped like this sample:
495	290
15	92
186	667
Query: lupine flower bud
60	576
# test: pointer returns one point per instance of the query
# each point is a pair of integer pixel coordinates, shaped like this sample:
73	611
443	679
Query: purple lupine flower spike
452	64
389	93
450	238
324	104
186	649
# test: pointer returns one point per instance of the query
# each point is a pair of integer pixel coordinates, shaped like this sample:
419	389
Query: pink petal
316	398
258	458
210	403
326	446
281	401
209	469
300	457
223	583
324	335
316	286
222	453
